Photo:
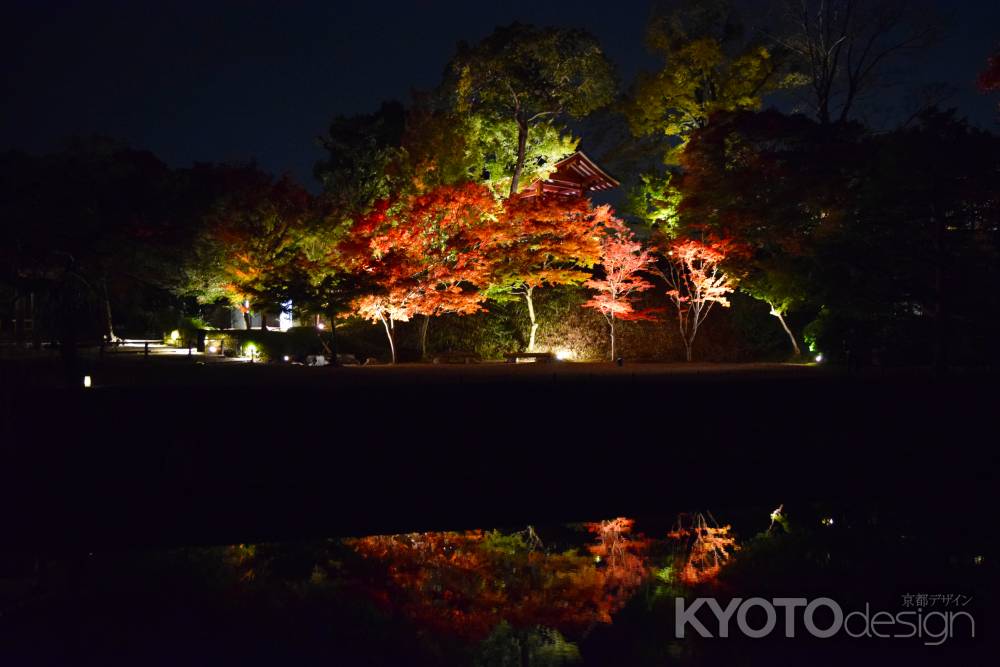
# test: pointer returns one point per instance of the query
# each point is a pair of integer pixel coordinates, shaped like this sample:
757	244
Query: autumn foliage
546	240
465	584
427	255
705	547
623	259
697	282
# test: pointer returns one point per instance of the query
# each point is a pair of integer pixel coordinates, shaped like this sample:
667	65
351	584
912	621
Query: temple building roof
575	176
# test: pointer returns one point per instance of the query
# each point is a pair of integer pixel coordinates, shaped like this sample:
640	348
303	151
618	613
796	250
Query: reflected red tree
465	584
705	547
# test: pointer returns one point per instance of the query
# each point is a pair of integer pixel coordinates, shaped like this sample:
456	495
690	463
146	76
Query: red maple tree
425	255
448	232
622	261
386	271
705	547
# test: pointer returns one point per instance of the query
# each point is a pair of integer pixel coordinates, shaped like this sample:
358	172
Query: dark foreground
116	502
171	452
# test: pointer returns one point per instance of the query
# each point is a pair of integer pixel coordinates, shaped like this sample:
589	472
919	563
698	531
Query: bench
530	357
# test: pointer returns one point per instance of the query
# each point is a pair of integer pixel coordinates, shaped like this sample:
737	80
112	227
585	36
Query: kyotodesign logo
822	618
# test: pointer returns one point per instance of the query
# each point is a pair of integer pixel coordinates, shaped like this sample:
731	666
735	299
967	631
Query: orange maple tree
449	232
388	271
465	584
697	282
426	255
705	547
545	240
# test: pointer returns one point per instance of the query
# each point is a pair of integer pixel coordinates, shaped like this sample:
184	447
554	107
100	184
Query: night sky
217	81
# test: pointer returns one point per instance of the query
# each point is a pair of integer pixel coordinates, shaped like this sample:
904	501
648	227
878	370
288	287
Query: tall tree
363	161
249	240
843	47
530	75
623	259
709	65
754	178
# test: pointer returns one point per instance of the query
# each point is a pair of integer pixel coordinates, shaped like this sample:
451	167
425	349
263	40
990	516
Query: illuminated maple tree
622	554
705	547
389	273
448	233
697	282
546	240
622	260
426	254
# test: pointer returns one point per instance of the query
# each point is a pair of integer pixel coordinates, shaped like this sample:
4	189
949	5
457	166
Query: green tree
363	164
709	65
527	75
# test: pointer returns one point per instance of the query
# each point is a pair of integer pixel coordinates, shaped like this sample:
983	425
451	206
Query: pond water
607	592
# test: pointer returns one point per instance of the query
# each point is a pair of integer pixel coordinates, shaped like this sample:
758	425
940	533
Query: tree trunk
263	320
531	316
388	332
423	337
687	350
36	331
247	320
522	640
784	325
522	144
612	323
333	335
19	317
109	323
940	314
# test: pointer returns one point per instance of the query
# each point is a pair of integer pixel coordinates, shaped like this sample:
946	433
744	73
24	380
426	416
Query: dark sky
213	81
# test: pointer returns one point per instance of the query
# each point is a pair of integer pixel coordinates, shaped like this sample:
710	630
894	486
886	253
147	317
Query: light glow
564	354
819	358
320	326
175	335
86	381
212	349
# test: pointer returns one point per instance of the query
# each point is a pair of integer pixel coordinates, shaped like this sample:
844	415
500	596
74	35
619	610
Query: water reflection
466	584
597	593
